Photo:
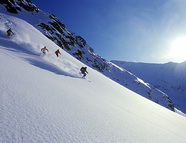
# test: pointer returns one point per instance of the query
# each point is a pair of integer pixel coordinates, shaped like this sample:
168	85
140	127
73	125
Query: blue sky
128	30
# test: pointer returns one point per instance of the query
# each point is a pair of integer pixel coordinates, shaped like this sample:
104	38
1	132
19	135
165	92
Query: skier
9	32
44	50
57	52
84	71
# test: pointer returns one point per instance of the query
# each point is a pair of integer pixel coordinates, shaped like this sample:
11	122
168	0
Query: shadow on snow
11	46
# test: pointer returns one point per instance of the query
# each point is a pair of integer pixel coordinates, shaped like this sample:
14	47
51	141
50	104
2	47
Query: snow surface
44	99
169	78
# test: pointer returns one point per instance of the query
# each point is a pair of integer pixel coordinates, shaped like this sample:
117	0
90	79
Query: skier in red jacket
57	52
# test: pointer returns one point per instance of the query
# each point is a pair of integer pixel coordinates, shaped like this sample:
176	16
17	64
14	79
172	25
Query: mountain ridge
75	45
169	78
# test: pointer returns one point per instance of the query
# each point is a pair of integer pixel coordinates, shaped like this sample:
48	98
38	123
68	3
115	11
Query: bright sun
178	49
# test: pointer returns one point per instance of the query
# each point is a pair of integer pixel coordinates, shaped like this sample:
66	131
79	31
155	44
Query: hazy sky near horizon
152	31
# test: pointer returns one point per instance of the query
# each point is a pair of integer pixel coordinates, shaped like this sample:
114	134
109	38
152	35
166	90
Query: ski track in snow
44	99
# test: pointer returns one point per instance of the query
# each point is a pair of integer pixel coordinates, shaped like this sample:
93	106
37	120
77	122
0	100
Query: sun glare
178	49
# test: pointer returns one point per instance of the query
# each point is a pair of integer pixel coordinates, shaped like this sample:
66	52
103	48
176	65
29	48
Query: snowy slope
169	78
75	45
43	98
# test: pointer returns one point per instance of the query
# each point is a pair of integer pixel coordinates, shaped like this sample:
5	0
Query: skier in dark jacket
84	71
9	32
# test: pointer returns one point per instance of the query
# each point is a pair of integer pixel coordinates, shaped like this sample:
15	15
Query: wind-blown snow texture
169	78
75	45
44	99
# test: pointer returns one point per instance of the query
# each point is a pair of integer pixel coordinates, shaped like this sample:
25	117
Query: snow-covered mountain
169	78
44	99
75	45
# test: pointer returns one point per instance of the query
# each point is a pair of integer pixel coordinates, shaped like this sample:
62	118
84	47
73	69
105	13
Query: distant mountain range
75	45
169	78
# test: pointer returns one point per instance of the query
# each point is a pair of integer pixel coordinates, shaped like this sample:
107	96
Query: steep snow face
137	85
44	99
75	45
169	78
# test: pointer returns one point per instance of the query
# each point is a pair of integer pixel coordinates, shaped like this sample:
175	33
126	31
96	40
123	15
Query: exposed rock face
72	43
13	6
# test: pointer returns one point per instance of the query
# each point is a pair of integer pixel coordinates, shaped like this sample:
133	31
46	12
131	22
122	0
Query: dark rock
13	6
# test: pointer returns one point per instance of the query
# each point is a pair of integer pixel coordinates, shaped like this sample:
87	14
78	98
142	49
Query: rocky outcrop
15	6
72	43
